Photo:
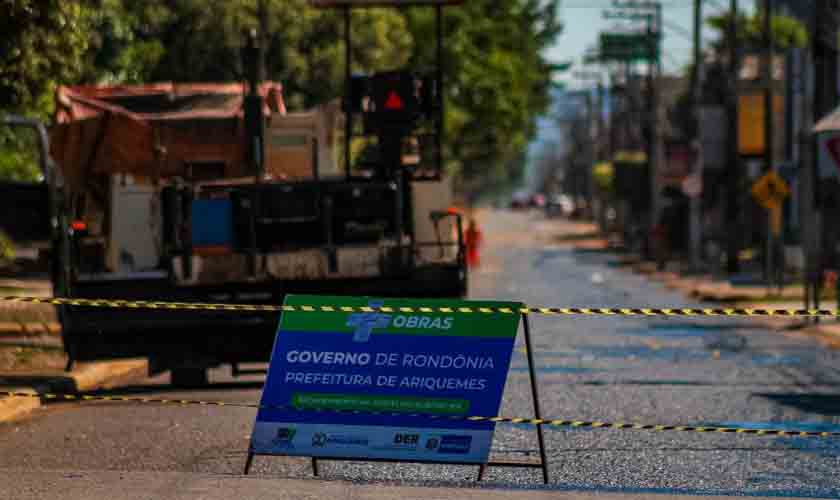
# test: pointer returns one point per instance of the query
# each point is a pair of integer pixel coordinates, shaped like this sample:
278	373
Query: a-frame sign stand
347	6
482	468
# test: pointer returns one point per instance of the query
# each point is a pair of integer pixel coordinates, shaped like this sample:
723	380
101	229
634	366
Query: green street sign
561	66
626	47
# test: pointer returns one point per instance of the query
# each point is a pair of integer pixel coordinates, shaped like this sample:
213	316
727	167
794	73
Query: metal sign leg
536	396
248	462
315	467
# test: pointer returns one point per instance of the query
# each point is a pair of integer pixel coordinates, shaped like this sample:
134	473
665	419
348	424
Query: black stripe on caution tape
557	311
473	418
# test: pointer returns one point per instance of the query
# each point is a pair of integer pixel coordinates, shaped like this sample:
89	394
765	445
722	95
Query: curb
29	329
830	333
88	377
105	375
13	408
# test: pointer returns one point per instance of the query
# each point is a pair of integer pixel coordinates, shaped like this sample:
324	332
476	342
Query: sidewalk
32	358
705	288
827	331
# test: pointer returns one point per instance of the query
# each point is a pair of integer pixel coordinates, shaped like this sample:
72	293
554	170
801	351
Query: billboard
395	369
751	123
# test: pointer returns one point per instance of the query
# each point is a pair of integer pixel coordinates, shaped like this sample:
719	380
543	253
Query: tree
498	81
185	41
43	45
124	45
787	32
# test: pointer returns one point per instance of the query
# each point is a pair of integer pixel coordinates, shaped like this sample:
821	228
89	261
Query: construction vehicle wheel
189	377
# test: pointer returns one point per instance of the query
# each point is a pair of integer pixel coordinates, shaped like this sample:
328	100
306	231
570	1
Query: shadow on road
823	404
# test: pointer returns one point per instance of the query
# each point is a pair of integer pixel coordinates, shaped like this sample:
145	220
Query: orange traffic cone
473	239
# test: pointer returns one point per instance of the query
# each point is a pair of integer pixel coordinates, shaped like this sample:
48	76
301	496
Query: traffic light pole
440	99
825	98
695	207
348	73
654	33
733	212
252	55
769	132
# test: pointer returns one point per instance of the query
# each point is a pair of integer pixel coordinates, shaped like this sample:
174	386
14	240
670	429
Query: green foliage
7	251
305	49
603	176
497	77
18	155
787	32
123	46
43	44
498	81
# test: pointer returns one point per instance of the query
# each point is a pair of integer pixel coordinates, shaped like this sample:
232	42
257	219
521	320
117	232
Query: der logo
406	439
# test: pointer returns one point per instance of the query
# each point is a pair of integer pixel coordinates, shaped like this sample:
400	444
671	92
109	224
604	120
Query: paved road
674	370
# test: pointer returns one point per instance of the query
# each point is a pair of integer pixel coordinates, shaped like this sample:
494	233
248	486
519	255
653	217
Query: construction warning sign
365	384
770	190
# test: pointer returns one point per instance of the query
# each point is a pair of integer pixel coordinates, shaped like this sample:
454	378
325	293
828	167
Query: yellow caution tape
555	422
557	311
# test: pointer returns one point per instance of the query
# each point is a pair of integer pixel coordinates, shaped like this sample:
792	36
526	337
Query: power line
678	29
717	4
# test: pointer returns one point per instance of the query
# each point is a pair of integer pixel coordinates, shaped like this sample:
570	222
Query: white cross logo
366	322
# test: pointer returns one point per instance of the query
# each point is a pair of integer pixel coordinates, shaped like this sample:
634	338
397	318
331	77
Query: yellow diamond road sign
770	190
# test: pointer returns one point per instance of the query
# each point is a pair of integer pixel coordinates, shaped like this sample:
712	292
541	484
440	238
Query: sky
583	22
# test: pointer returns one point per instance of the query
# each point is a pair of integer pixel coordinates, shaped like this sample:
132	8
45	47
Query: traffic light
395	97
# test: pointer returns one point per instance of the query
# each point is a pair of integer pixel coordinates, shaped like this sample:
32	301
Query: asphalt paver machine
215	193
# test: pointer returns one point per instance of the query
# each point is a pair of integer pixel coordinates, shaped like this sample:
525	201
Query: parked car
519	200
559	205
537	200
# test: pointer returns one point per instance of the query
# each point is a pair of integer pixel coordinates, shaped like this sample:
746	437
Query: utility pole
599	120
265	26
733	213
824	52
255	131
769	136
696	206
594	105
651	12
804	77
654	70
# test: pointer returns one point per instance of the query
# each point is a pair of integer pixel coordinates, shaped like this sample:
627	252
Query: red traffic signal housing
394	94
394	102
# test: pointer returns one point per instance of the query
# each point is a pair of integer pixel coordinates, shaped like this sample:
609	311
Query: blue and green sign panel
397	368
